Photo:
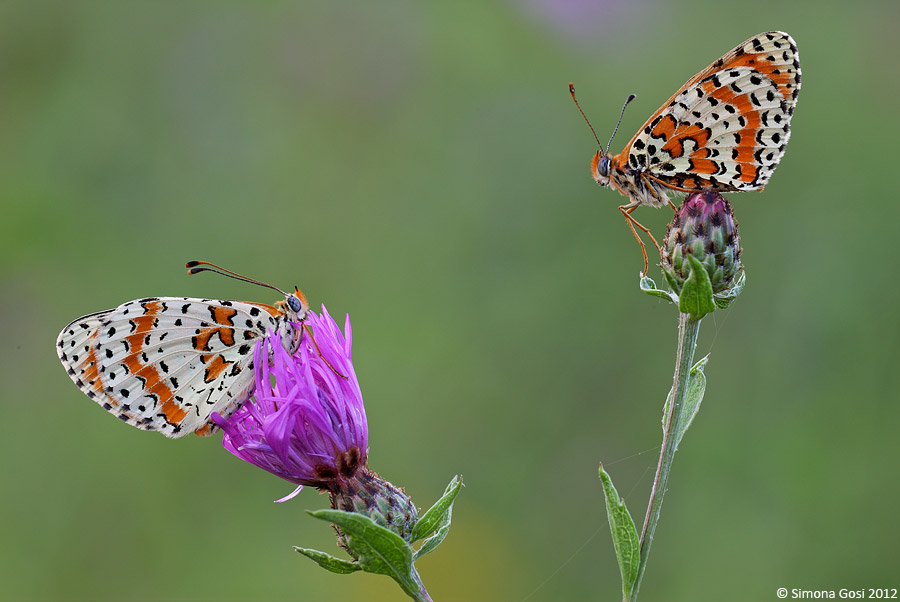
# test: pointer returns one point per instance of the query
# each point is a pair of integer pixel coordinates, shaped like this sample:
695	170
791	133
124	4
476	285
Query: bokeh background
421	166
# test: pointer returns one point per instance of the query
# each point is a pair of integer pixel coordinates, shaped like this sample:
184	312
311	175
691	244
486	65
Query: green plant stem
421	595
688	328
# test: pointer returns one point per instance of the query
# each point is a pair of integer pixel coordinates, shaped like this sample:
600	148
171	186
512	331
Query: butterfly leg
626	211
316	345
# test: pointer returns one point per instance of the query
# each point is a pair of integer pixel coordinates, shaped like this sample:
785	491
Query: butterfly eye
294	303
603	166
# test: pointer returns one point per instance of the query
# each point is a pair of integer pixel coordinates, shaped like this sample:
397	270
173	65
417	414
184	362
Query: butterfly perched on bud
724	130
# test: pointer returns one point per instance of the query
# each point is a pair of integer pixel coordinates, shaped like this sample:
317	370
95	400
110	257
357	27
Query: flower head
309	426
705	228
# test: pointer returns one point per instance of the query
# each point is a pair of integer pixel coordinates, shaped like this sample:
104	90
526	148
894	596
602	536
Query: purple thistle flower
309	427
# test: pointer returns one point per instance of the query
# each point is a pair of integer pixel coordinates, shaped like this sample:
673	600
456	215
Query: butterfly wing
168	363
726	129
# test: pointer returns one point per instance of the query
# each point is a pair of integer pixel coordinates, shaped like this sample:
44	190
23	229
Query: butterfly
724	130
167	363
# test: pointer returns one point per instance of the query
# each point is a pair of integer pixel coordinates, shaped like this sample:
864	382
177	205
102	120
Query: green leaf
435	540
436	520
624	534
693	395
379	550
429	522
725	298
326	561
696	295
649	286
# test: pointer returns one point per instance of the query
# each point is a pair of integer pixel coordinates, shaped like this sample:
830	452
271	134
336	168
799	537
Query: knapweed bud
705	228
368	494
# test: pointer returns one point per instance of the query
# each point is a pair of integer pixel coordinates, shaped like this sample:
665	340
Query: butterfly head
600	167
295	306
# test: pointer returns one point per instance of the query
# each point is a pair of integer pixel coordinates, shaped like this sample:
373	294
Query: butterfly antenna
621	115
572	92
194	268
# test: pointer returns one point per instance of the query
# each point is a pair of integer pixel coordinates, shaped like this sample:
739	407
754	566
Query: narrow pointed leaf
379	550
443	510
665	412
327	561
435	540
696	296
431	521
624	534
649	286
693	395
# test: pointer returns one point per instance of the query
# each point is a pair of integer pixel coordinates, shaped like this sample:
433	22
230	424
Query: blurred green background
421	166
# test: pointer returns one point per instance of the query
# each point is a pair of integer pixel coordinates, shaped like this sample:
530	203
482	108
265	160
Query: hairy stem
688	329
422	594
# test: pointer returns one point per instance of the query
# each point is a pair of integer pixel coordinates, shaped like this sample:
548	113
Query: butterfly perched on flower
167	363
725	130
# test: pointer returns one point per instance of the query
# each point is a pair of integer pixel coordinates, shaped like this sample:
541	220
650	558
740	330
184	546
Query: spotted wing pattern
168	363
726	129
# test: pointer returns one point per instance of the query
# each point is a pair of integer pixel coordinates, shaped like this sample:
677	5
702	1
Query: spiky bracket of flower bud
378	549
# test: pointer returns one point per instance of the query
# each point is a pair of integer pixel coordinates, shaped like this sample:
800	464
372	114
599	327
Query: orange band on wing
153	384
201	341
223	315
214	368
90	371
665	128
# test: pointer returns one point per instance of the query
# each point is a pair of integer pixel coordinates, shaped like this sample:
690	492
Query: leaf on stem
693	395
435	523
329	562
624	534
379	550
649	286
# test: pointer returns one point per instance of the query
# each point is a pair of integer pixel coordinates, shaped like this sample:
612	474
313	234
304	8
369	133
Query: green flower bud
368	494
705	228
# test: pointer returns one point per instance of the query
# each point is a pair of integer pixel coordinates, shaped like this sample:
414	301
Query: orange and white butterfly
167	363
725	130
